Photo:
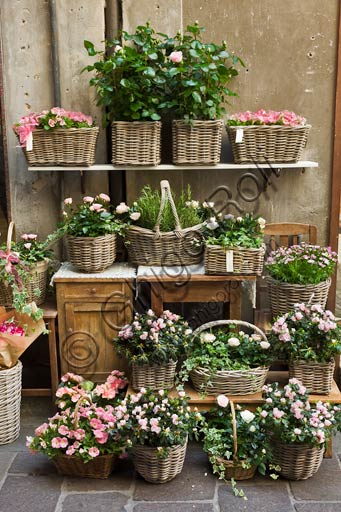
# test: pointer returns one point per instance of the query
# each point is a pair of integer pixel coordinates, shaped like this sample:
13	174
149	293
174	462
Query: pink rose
24	236
176	57
68	200
27	246
104	197
52	123
88	199
222	400
96	207
277	413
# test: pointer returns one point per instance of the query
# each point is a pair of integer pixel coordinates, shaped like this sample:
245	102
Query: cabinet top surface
117	272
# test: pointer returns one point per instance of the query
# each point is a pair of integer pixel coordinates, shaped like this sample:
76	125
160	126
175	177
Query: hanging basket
229	382
297	461
283	296
153	376
235	260
153	247
136	142
63	146
197	143
10	399
317	377
273	144
91	254
156	470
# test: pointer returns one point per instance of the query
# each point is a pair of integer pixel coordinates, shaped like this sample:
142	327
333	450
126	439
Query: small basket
273	144
197	143
317	377
297	461
283	296
136	142
152	247
229	382
10	399
91	254
245	261
156	470
63	146
153	376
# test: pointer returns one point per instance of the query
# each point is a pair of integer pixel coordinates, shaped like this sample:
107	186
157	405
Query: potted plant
299	430
130	82
267	136
221	360
309	336
300	273
57	137
156	427
90	230
153	345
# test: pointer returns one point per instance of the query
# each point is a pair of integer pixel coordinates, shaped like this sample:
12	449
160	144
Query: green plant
230	231
31	250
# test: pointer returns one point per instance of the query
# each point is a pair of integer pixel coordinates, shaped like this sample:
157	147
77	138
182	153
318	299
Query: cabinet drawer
94	291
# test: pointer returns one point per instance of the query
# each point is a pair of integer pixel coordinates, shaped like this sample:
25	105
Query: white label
229	261
239	135
29	142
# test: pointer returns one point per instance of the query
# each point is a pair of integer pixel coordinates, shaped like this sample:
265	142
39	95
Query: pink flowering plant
290	417
31	249
11	327
266	117
308	332
153	339
301	264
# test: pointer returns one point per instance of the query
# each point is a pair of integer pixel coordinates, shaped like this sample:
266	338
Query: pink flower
93	451
55	443
88	199
96	207
52	123
264	414
96	424
104	197
70	450
297	431
175	419
28	245
68	200
79	434
176	57
222	400
63	430
41	429
277	413
24	236
101	437
63	442
143	422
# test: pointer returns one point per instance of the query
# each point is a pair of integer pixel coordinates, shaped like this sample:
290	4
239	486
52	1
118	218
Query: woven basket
63	146
153	376
156	470
152	247
91	254
317	377
70	465
229	382
10	399
245	261
283	296
136	142
297	461
276	144
198	143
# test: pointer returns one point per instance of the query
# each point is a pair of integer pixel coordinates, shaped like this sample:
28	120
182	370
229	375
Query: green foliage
230	231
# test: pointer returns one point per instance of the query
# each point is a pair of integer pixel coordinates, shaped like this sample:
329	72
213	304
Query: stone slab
5	462
32	464
30	494
19	445
323	486
121	479
99	502
174	507
318	507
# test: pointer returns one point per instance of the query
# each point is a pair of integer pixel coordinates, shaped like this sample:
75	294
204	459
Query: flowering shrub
12	327
151	339
155	419
31	250
301	264
288	414
230	231
308	333
266	117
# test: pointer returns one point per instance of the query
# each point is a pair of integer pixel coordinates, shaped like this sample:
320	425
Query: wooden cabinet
91	310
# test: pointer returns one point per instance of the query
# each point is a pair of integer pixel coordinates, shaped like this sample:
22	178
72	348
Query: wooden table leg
51	323
156	292
235	300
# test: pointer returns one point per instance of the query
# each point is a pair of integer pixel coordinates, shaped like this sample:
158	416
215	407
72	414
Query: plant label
239	135
229	261
29	142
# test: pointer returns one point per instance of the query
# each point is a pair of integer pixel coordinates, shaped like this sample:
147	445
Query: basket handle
166	195
76	413
9	236
234	429
215	323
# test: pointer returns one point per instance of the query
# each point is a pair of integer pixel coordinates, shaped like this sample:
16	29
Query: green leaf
149	72
196	96
124	82
155	117
90	48
194	53
152	56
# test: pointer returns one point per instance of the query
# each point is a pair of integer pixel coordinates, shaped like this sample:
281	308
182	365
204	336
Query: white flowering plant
230	231
153	339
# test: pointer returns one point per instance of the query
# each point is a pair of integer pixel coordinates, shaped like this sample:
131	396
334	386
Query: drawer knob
93	291
70	329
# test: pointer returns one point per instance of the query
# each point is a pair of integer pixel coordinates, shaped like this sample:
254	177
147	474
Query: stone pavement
29	483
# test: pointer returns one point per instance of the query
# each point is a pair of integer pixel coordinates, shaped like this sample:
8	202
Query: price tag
229	261
29	142
239	135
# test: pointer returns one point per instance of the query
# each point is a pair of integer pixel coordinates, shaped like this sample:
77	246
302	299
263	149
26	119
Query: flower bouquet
57	137
267	136
153	345
310	338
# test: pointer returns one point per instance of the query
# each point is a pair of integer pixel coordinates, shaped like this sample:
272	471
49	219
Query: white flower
241	333
188	332
135	215
118	48
122	208
212	223
265	345
222	400
207	337
233	342
247	416
239	219
208	204
252	428
261	222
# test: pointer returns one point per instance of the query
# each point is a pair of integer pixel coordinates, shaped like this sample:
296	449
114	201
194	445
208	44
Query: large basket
70	465
297	461
317	377
136	142
153	376
38	281
229	382
283	296
273	144
197	143
152	247
63	146
10	399
91	254
156	470
245	261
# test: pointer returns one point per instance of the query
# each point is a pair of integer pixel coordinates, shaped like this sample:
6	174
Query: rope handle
208	325
166	195
9	236
76	413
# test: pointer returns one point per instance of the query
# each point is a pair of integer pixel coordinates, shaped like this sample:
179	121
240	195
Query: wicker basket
317	377
198	143
245	261
273	144
63	146
136	142
297	461
153	376
10	399
283	296
229	382
155	470
70	465
152	247
91	254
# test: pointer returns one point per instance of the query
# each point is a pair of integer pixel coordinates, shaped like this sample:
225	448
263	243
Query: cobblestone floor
29	483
